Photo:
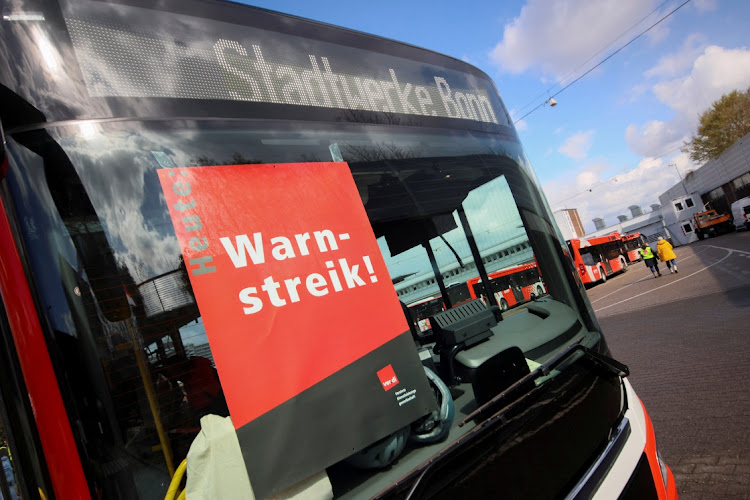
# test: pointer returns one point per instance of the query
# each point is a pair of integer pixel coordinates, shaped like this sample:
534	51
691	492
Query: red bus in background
421	310
511	286
598	258
631	244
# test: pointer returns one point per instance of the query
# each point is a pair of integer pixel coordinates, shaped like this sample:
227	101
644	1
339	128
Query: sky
647	69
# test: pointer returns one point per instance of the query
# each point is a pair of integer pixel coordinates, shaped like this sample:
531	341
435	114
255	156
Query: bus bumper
638	471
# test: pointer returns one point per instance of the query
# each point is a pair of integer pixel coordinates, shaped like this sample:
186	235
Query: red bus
598	258
423	309
201	203
631	243
511	286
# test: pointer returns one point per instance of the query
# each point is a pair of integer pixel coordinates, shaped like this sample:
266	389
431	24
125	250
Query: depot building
716	185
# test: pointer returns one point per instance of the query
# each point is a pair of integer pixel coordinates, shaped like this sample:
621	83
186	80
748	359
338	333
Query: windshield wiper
542	370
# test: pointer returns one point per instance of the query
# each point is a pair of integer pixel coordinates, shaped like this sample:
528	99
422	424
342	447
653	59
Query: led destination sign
312	87
214	60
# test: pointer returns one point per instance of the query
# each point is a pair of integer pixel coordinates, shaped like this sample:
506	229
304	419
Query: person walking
650	259
666	254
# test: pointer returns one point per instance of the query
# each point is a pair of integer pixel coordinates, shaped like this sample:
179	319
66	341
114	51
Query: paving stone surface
687	343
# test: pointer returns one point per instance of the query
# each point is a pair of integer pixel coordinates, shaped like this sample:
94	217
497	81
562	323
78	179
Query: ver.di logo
388	378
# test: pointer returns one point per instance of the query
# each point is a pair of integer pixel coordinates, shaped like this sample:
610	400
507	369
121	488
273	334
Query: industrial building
717	184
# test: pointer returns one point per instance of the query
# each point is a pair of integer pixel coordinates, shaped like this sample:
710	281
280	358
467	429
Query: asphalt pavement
686	339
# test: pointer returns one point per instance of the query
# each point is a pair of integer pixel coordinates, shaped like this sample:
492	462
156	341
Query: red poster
286	272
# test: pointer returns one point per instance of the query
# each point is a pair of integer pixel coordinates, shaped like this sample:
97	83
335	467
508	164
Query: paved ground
686	339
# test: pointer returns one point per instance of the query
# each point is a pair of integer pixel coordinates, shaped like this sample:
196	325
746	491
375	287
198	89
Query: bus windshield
98	225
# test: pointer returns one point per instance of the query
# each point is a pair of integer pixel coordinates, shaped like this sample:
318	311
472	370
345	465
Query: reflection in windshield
455	214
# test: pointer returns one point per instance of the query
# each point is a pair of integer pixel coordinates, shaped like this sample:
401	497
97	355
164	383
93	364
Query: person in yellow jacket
666	254
650	259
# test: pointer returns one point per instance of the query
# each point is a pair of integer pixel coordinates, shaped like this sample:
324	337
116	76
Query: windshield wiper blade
544	369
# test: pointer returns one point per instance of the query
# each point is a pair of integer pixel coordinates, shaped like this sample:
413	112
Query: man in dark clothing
650	259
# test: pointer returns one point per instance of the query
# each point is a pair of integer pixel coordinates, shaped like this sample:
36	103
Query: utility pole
680	176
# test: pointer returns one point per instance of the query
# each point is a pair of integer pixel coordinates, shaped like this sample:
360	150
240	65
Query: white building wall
565	223
679	221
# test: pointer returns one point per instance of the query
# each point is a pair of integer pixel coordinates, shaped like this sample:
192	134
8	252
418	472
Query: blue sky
616	131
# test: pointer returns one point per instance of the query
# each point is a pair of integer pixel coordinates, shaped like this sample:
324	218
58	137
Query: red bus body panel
52	422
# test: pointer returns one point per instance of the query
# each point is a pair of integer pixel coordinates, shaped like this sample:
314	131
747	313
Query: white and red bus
598	258
511	286
201	205
631	244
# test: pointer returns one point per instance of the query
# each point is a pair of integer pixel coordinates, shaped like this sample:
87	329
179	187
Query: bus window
588	259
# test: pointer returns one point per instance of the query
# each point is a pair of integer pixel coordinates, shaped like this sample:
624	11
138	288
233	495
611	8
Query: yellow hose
175	484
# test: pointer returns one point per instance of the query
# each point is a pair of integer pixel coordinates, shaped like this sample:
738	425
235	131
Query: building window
689	202
741	181
742	185
717	200
678	206
687	228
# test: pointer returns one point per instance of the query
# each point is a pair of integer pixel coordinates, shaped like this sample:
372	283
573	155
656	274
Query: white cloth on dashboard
216	469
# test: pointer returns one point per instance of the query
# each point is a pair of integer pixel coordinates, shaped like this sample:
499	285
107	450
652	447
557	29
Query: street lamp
680	176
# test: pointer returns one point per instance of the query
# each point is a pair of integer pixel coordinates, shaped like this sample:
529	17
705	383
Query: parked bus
510	286
204	206
631	244
422	310
598	258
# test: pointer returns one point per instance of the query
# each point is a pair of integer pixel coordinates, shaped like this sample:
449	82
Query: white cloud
705	5
556	37
655	137
577	146
680	61
594	192
716	71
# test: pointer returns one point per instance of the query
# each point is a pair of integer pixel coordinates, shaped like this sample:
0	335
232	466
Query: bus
204	207
598	258
631	244
419	312
511	286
